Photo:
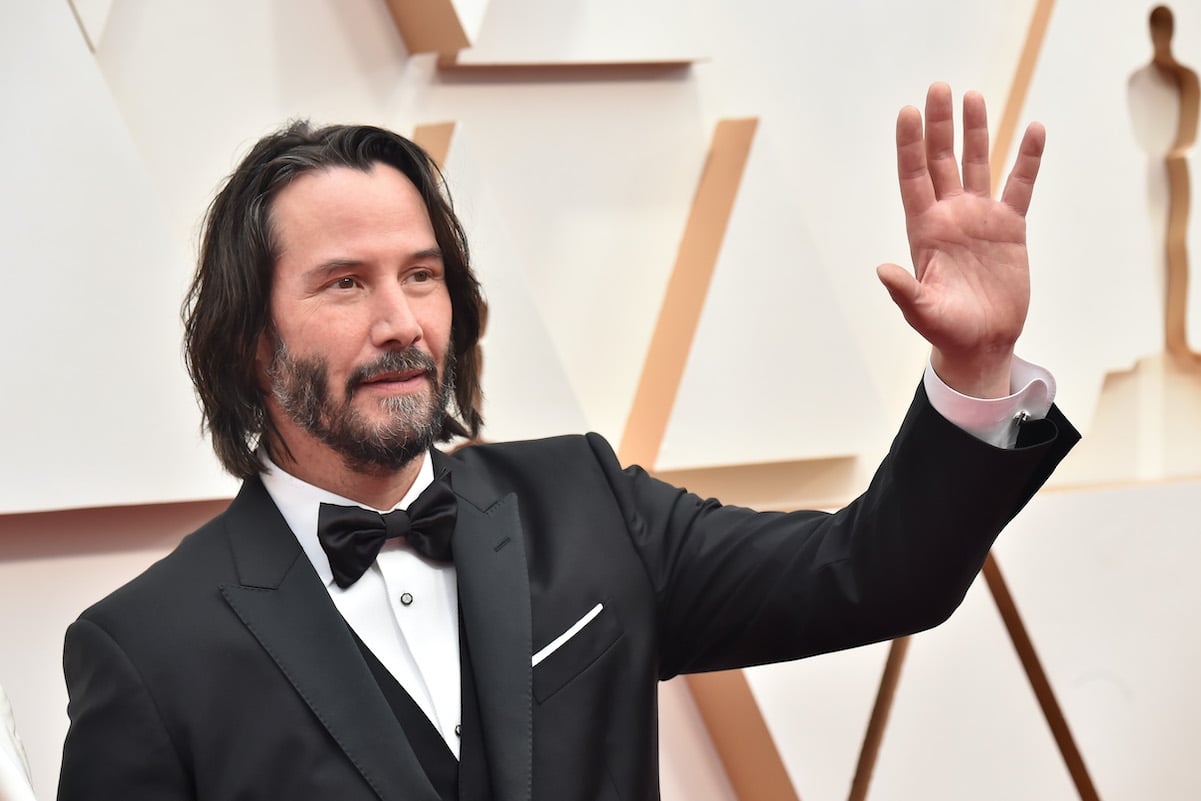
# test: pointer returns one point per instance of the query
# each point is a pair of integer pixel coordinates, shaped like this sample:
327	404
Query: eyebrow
326	269
428	253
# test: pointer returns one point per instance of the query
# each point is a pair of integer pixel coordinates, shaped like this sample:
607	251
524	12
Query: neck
316	464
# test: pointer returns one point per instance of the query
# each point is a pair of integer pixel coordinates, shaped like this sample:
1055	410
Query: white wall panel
534	31
93	18
198	83
96	408
965	723
471	15
827	80
1106	581
594	179
527	393
771	340
817	711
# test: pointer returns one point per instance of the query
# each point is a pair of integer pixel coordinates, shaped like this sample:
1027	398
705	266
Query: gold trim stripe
429	26
878	722
686	291
741	737
1038	680
434	138
725	702
1036	34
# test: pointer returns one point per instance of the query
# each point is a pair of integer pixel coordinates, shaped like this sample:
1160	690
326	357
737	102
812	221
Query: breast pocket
576	647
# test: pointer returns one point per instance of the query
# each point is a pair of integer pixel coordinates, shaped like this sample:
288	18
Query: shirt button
406	598
458	730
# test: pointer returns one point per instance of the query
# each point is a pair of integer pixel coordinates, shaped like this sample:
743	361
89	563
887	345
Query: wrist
977	375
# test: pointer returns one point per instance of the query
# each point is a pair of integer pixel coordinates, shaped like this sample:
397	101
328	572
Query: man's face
357	361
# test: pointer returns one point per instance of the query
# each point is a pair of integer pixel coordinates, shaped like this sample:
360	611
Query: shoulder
571	454
201	559
547	447
558	471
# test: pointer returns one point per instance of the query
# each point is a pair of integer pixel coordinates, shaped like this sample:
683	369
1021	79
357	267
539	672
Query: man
282	652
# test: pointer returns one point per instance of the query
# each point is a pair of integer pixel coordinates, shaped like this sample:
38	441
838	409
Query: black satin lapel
494	592
284	605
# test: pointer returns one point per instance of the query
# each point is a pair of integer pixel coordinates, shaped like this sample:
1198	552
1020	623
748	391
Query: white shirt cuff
995	420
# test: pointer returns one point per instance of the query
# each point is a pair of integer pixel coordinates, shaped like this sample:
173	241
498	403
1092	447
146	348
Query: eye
345	282
421	280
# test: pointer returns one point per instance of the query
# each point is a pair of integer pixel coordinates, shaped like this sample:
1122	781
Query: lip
391	382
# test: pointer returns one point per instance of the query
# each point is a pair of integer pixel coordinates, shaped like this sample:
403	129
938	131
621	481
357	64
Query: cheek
263	361
331	334
437	328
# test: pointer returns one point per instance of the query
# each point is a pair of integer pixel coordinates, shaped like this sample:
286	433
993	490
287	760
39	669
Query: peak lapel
282	602
494	595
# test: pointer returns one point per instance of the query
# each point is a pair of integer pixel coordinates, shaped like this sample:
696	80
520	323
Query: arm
117	746
970	288
735	587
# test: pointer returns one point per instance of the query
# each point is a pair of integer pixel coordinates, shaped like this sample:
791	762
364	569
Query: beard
412	422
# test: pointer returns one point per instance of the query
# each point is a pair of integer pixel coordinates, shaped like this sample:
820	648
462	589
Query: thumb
902	287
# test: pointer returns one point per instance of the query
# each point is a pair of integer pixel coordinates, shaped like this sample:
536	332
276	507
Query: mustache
394	361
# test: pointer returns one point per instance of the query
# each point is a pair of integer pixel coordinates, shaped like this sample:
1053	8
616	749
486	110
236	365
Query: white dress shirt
995	420
417	639
421	598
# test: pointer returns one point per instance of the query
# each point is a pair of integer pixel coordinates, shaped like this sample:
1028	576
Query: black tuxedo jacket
225	671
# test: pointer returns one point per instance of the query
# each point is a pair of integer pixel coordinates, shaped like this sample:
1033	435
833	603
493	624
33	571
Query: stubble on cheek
407	425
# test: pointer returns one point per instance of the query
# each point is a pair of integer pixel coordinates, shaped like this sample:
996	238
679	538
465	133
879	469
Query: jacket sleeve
117	748
735	587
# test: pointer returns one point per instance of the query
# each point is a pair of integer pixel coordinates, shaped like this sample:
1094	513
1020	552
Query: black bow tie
352	536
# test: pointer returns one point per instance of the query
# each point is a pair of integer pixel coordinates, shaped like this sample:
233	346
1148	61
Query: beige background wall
575	186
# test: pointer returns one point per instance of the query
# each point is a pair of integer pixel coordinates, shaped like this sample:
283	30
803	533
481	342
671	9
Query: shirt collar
299	502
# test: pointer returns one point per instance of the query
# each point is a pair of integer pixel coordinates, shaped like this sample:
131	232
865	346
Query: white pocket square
575	629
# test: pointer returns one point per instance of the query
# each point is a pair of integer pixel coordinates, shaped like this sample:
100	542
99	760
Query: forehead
347	203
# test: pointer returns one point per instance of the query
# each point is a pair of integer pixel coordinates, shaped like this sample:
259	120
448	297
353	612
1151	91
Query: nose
394	323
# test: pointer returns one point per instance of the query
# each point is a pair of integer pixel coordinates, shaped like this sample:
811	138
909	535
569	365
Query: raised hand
970	287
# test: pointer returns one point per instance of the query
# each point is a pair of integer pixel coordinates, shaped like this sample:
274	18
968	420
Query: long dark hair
226	308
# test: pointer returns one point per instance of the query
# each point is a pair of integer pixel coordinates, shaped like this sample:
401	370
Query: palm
969	256
970	287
